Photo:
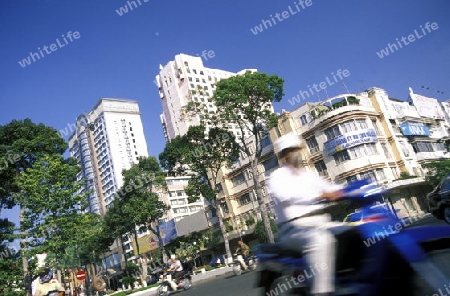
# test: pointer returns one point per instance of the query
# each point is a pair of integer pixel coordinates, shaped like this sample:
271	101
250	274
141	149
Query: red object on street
81	275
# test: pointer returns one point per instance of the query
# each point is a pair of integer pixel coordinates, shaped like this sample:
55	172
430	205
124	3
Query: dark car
439	200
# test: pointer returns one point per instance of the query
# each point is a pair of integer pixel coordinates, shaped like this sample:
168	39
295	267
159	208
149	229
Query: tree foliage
49	194
436	170
92	239
137	204
140	201
11	275
22	144
246	102
261	233
201	153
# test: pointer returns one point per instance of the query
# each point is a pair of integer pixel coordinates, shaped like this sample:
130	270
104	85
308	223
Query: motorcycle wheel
162	290
237	270
253	265
447	214
186	284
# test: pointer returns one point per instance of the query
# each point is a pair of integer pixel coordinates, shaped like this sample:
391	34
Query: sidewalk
197	278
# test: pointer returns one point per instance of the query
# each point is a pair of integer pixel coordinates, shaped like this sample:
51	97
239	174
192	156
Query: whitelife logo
53	47
285	14
124	9
411	38
323	85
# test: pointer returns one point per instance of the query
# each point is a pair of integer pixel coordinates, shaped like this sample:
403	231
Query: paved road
243	285
224	285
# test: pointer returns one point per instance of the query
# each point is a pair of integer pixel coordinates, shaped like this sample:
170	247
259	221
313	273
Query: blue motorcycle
378	257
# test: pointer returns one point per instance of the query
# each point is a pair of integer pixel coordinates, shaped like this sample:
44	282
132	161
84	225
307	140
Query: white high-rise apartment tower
181	80
107	140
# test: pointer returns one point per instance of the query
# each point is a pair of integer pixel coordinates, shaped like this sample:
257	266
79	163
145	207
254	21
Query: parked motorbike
239	261
377	257
184	282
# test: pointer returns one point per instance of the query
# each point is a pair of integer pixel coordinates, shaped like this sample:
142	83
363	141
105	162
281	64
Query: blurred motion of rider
245	251
294	189
177	267
48	285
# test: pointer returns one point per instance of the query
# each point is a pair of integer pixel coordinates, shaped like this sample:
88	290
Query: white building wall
175	82
117	141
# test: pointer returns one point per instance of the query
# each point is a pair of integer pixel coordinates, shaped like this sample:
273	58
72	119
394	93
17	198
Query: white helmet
290	140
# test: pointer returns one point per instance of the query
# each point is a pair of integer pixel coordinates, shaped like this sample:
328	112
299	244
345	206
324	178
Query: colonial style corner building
369	135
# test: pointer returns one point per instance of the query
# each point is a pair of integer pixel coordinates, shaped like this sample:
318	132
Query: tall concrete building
107	140
182	80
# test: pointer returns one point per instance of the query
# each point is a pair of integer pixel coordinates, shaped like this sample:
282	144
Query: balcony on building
337	105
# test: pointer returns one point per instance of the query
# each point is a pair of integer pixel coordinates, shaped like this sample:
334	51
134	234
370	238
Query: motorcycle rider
245	251
48	283
175	265
294	190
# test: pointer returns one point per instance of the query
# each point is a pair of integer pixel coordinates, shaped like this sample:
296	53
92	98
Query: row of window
176	193
192	209
355	152
247	175
428	147
176	202
345	127
177	181
373	175
339	129
245	199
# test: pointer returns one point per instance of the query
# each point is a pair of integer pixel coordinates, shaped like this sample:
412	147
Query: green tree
436	170
92	238
117	224
140	204
11	275
261	233
22	144
245	101
52	206
201	153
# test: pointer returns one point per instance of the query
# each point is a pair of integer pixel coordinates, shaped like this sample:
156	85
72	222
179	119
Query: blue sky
118	56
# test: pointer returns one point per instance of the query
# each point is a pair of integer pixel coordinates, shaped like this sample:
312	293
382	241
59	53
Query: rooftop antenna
345	87
318	97
325	90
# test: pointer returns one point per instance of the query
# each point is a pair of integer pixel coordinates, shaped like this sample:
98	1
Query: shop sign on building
349	140
414	129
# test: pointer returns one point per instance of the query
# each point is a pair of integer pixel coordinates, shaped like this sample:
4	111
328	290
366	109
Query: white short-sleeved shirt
292	189
179	268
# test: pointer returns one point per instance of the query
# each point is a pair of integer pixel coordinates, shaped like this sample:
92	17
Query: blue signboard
167	231
415	129
350	139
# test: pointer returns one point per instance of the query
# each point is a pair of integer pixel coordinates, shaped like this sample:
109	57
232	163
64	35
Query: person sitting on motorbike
47	283
245	251
294	189
177	267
